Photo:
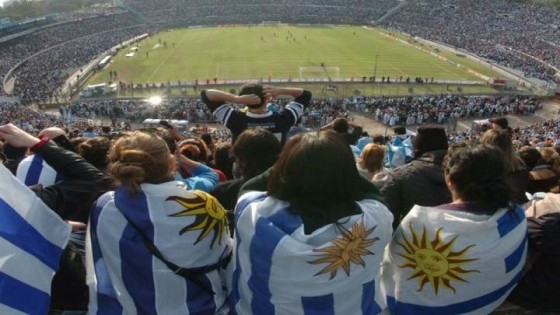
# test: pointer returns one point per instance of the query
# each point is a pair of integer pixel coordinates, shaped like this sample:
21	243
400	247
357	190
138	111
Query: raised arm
215	98
300	95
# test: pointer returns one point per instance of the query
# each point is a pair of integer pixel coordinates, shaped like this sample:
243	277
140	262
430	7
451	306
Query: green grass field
242	53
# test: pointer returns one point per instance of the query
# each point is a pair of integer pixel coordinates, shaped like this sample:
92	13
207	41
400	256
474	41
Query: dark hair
223	160
195	149
95	151
379	139
255	151
531	156
316	173
340	125
253	88
478	174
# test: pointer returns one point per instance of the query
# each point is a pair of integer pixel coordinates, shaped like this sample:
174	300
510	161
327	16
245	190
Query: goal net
319	73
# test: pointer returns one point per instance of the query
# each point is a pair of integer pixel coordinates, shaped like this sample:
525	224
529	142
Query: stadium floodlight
155	100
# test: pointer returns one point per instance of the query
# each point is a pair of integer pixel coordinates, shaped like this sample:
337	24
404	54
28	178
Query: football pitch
279	53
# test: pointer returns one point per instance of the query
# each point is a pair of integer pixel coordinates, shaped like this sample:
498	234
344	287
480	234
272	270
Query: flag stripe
260	255
4	309
198	301
510	220
369	306
248	199
34	171
514	259
16	230
106	295
22	297
136	271
457	308
285	221
41	276
318	305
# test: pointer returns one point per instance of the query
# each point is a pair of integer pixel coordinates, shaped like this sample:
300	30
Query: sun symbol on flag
434	261
209	215
349	248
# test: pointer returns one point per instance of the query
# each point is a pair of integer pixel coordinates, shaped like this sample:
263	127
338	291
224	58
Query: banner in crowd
454	262
32	239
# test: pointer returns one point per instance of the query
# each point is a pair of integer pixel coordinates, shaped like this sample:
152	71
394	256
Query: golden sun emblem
434	261
209	215
349	248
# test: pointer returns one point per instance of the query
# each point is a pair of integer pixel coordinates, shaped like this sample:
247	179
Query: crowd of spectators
501	31
480	180
79	34
195	12
442	108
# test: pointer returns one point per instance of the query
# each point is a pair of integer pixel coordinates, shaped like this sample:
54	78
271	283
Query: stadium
404	77
136	50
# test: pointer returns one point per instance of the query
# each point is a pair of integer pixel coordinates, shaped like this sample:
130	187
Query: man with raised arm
257	115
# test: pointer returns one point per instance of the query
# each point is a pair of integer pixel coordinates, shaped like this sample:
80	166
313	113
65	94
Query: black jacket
72	197
420	182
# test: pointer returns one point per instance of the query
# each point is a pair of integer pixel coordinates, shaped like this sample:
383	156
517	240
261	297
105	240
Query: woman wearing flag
312	243
463	257
155	247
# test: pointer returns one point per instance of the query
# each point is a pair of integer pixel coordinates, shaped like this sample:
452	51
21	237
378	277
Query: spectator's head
195	149
138	158
106	129
548	155
340	125
378	139
499	123
316	173
502	139
429	138
208	140
256	89
255	151
223	160
530	155
477	174
95	151
372	157
400	130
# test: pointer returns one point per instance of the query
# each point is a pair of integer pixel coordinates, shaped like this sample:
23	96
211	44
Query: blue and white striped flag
454	262
399	151
32	239
189	228
278	269
34	170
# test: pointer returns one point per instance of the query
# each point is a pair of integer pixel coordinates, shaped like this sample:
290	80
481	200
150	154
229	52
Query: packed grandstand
517	36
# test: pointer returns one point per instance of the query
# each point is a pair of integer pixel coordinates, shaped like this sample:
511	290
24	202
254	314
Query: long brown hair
140	157
502	139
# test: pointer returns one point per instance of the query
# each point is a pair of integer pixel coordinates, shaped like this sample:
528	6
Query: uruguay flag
454	262
399	151
33	170
189	228
32	239
278	269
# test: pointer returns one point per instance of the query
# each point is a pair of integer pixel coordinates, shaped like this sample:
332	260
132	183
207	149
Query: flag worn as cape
188	227
278	269
454	262
32	239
